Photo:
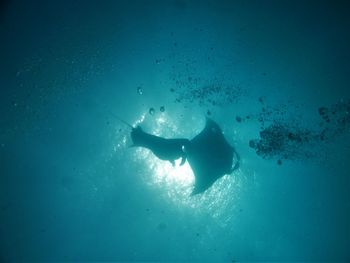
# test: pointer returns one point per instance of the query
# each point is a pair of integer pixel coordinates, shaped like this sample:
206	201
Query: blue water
272	74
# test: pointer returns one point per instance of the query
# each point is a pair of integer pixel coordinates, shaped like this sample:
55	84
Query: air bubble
139	90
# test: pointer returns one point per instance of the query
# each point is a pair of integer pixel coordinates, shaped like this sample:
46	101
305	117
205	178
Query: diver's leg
183	160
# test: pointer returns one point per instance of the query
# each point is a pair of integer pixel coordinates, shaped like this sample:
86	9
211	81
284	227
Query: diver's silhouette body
165	149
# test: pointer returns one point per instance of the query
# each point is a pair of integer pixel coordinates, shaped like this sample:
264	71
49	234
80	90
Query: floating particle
279	162
139	90
238	119
208	112
172	90
162	109
248	117
322	110
151	111
162	226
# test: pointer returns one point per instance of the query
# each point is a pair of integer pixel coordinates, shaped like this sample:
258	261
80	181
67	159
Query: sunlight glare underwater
177	182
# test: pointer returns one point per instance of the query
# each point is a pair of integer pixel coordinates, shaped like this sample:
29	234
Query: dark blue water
273	74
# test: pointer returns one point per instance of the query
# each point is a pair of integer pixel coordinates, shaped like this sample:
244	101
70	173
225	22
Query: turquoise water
272	74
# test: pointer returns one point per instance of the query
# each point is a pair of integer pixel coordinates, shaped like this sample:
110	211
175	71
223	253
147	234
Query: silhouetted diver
165	149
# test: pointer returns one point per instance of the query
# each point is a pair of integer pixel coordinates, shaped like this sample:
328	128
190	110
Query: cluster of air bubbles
152	111
335	120
284	141
208	95
285	138
240	119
